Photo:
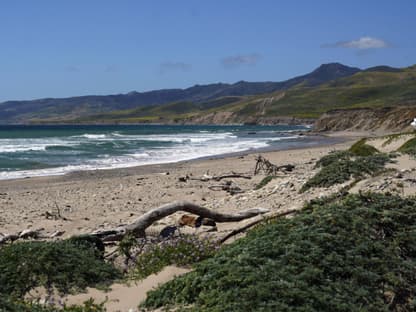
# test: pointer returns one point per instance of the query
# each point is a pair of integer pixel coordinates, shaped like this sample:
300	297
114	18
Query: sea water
27	151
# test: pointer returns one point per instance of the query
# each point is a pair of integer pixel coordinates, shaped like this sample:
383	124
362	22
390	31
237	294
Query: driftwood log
139	226
228	186
263	165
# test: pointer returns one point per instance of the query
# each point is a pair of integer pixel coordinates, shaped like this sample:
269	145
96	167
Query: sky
62	48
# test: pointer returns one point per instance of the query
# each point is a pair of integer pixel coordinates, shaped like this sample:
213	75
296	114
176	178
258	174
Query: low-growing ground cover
182	251
409	147
74	264
66	266
11	305
339	167
361	148
354	253
266	180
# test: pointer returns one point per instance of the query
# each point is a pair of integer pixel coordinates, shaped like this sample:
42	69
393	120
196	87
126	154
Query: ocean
27	151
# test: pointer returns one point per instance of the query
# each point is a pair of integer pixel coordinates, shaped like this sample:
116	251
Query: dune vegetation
353	253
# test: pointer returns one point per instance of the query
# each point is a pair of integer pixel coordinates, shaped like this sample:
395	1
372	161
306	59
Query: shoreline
187	146
312	140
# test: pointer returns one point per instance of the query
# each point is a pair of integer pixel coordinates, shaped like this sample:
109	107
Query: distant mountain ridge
301	101
56	110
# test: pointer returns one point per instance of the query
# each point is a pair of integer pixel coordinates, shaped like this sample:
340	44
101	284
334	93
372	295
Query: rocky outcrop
390	119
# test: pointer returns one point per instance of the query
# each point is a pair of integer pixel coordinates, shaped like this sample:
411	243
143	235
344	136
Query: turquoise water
53	150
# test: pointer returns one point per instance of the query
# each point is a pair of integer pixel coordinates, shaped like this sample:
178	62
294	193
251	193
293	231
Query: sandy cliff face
382	119
221	118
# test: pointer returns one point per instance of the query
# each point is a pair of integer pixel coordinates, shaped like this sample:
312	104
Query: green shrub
409	147
184	250
360	148
357	253
333	157
64	265
9	305
264	182
89	241
341	166
396	136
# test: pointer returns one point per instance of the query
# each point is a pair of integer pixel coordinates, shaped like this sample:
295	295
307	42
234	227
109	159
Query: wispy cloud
363	43
174	67
240	60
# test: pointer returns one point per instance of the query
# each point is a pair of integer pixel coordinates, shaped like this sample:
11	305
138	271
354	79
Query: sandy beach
93	200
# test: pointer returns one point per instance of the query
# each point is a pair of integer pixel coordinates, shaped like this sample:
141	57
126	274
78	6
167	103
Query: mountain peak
336	67
332	71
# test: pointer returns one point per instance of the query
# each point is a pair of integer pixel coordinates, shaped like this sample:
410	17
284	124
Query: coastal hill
302	99
69	108
366	94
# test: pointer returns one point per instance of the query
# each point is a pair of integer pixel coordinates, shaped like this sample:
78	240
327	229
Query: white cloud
362	43
238	60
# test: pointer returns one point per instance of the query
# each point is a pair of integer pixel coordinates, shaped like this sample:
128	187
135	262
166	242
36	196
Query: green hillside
364	89
206	96
171	111
376	87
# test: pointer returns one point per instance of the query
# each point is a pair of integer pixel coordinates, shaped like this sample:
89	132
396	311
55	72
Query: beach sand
93	200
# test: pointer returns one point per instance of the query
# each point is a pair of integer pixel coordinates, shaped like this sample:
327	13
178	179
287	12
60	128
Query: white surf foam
23	145
187	146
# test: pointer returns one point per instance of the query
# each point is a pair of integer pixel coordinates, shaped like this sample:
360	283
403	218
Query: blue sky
78	47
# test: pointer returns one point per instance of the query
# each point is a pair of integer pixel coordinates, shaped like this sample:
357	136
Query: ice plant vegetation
183	251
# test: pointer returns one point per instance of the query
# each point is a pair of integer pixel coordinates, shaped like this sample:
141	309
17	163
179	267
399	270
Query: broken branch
255	222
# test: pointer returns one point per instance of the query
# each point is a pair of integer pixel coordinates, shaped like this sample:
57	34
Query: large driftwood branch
139	226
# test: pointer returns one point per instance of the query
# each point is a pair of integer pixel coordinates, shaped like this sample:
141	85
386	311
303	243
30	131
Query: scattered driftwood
25	234
194	221
231	176
56	234
8	238
207	177
265	166
139	226
246	226
55	215
228	186
29	234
